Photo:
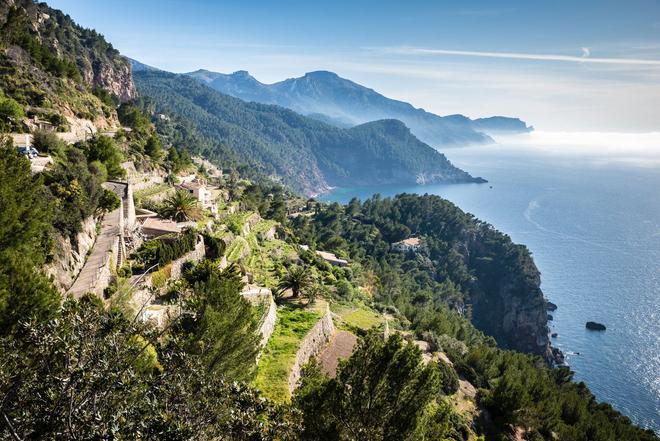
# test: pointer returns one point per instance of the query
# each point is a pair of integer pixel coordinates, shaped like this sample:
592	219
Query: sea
587	205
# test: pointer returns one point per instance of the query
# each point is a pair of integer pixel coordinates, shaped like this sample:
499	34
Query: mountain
55	69
141	67
501	124
340	99
305	153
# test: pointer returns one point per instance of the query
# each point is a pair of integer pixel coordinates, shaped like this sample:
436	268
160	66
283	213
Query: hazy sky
560	65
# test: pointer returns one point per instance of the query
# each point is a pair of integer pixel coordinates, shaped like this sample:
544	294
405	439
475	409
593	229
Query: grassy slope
293	324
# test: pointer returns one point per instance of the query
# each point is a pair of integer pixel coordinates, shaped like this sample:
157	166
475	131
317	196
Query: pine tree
221	327
25	292
379	393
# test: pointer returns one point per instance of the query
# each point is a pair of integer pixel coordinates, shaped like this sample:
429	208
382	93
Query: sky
559	65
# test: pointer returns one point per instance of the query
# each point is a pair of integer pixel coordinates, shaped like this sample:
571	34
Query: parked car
30	152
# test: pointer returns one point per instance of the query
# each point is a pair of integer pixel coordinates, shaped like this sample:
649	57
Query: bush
108	201
215	247
448	378
159	278
166	249
47	142
10	112
105	150
345	290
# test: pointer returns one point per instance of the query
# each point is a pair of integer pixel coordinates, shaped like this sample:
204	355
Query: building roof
162	225
330	257
411	242
195	185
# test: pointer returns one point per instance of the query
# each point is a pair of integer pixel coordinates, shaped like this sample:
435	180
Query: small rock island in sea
595	326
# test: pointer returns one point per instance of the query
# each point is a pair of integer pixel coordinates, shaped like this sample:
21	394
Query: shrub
159	278
10	112
448	378
166	249
108	201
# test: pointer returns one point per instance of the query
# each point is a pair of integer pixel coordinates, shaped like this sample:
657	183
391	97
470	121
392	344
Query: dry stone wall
71	255
311	346
193	256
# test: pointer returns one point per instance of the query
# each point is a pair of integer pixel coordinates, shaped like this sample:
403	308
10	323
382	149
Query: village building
153	227
202	192
411	244
331	258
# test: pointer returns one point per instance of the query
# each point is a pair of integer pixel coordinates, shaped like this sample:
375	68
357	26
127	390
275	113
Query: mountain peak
321	74
242	74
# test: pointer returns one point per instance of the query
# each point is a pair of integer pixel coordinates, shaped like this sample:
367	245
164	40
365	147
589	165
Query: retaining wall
193	256
257	295
312	344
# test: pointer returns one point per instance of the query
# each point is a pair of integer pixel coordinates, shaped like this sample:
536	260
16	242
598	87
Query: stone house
411	244
202	192
332	259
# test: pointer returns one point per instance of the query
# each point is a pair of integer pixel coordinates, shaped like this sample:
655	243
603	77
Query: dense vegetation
306	153
516	389
25	292
165	249
462	262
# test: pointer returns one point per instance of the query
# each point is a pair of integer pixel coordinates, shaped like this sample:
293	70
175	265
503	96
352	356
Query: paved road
89	275
88	278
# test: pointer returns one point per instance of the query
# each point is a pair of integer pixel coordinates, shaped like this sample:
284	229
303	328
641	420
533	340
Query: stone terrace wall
268	325
256	295
70	256
311	345
193	256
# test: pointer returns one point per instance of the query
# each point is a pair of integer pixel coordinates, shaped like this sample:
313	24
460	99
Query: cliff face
50	64
508	304
99	63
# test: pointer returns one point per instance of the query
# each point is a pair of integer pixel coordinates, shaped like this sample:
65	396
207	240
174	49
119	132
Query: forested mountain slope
307	154
344	101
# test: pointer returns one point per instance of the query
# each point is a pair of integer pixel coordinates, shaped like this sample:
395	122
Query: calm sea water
590	214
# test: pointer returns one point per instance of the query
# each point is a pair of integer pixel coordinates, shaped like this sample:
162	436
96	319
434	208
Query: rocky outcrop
99	64
508	304
311	346
595	326
70	255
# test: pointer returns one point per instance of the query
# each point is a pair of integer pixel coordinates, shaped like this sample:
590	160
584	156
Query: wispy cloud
585	58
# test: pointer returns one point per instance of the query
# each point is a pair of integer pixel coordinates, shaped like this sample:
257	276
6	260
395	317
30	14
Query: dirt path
339	347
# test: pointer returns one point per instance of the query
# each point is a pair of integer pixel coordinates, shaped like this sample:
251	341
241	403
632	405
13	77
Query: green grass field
358	316
293	323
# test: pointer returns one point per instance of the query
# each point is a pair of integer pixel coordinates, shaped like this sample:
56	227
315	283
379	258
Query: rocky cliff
507	302
53	66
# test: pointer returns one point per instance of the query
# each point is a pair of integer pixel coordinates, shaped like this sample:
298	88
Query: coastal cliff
507	301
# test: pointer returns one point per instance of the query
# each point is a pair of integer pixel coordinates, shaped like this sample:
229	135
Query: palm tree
297	279
181	207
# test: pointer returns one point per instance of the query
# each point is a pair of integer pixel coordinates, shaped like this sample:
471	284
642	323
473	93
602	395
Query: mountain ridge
305	153
326	93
